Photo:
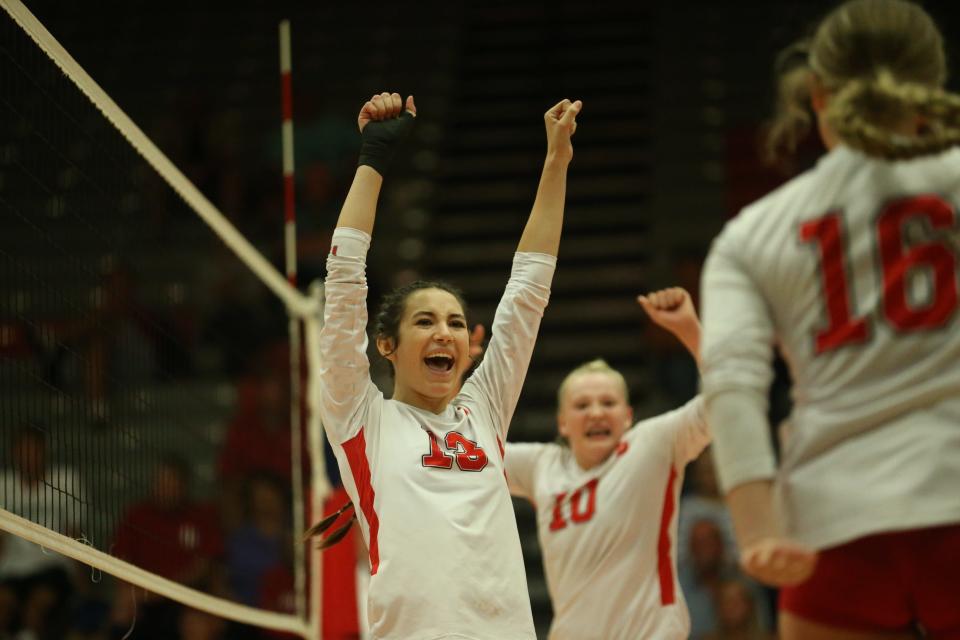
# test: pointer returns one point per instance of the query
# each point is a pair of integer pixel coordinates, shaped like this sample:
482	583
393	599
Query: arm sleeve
684	429
737	354
691	431
499	378
520	463
342	373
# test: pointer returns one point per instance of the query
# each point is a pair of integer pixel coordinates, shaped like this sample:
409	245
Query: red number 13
469	456
896	261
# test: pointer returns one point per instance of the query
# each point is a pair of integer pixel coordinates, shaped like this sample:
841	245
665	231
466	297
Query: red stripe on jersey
502	452
356	450
664	561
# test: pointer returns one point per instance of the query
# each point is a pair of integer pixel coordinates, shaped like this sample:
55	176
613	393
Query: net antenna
299	306
304	555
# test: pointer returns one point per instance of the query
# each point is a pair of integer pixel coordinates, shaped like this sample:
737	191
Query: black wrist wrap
382	138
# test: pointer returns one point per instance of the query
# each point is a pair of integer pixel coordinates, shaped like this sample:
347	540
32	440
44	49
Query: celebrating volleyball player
852	269
606	498
424	469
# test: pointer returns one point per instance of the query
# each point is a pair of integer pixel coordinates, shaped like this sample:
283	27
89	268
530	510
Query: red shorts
885	582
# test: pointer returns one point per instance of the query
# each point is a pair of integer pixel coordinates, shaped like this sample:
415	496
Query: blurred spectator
242	315
737	613
36	585
172	536
701	579
199	625
703	502
115	344
257	440
260	543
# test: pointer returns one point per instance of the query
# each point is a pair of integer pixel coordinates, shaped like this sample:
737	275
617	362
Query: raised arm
340	346
673	310
383	122
499	378
542	233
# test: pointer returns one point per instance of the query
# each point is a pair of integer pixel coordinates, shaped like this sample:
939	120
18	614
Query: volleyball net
149	410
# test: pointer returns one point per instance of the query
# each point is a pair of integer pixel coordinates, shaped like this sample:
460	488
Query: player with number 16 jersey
852	269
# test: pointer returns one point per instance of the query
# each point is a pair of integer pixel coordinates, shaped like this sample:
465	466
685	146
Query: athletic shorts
896	581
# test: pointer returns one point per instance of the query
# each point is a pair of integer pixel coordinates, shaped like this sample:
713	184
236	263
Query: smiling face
431	351
593	415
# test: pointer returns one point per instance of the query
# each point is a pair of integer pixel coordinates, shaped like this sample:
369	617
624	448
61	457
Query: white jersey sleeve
737	355
690	430
520	464
499	377
344	375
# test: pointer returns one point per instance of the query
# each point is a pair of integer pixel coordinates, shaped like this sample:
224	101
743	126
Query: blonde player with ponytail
852	268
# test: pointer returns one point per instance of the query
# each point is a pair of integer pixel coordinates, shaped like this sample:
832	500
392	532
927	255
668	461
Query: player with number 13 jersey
424	469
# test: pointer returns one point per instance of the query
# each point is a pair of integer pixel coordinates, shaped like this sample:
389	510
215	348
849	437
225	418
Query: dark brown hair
387	321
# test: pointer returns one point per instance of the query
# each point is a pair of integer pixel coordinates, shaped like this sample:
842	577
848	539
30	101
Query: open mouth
439	362
599	432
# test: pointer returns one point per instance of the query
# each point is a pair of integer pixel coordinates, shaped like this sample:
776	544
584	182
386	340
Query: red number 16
896	261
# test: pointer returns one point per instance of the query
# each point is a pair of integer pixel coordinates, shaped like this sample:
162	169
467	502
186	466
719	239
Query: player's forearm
689	337
752	509
360	206
542	232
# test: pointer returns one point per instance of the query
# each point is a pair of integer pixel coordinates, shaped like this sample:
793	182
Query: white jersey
429	490
608	535
852	269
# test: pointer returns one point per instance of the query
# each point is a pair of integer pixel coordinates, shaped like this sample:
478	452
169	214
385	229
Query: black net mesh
143	378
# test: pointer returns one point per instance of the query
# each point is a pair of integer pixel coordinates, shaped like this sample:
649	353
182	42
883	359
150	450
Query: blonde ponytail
865	113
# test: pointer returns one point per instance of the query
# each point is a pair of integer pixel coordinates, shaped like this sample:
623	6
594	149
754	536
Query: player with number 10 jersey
606	498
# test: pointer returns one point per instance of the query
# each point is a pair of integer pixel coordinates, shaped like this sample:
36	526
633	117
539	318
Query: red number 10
896	261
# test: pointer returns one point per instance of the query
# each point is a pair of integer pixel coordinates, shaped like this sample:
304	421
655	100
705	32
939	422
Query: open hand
561	123
384	106
778	562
